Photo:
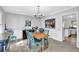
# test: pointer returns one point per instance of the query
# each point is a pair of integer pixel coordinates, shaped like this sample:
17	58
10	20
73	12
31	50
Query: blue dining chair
41	30
12	36
46	39
7	44
46	32
33	42
30	39
1	45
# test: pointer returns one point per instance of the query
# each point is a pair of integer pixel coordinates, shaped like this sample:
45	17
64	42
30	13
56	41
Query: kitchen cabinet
70	31
67	32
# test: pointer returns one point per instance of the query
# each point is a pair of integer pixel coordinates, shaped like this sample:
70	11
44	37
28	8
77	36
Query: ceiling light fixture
38	15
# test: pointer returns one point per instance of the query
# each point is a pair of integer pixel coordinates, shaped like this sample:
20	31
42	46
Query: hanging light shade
38	14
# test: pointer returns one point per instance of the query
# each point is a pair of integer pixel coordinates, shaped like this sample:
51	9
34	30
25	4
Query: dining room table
40	36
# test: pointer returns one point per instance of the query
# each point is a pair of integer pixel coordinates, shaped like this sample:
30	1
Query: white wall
77	43
2	20
0	26
57	32
67	23
17	23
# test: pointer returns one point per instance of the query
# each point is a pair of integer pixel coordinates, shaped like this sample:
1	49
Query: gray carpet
54	46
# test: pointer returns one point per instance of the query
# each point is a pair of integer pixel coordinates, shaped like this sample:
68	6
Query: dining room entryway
70	28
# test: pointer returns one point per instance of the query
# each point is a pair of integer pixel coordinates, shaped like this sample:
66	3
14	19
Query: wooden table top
39	35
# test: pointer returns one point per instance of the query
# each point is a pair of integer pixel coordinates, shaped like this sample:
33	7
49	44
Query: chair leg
34	48
8	47
41	45
46	43
29	44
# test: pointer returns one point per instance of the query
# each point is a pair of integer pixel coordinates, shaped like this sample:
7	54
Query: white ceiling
70	17
31	10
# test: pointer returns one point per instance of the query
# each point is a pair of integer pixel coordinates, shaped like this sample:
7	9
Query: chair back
11	32
30	37
7	44
41	30
46	32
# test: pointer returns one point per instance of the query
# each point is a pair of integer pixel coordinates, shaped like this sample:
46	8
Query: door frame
76	12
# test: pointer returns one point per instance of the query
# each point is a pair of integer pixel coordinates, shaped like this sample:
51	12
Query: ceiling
31	10
70	17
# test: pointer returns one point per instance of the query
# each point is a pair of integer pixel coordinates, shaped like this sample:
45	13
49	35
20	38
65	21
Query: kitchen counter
70	28
69	31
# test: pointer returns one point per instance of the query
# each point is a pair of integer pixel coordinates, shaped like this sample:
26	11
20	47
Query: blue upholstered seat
32	41
46	39
12	36
46	32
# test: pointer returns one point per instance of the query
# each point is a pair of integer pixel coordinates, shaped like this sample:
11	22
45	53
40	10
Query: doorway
69	22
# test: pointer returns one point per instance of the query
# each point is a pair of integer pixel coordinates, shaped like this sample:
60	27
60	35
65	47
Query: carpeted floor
54	46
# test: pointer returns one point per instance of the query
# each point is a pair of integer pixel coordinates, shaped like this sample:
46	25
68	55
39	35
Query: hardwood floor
54	46
71	39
